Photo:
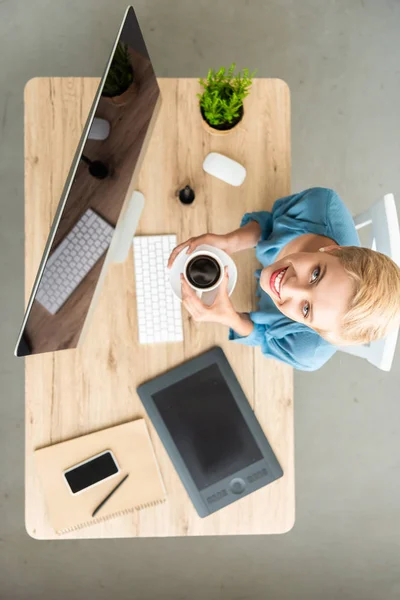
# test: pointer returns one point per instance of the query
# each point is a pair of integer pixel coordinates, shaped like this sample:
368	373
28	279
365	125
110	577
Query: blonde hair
374	309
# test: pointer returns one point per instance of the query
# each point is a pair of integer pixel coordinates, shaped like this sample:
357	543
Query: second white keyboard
159	311
72	260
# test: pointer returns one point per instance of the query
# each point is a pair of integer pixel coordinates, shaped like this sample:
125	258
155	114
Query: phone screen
91	472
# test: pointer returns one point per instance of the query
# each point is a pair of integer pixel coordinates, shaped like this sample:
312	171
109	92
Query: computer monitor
105	166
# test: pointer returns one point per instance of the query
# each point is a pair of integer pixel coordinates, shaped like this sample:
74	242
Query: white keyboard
159	311
72	260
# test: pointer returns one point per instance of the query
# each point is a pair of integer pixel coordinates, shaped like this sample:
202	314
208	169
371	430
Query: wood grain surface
73	392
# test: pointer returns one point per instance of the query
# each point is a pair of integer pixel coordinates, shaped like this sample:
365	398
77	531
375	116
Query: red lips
272	280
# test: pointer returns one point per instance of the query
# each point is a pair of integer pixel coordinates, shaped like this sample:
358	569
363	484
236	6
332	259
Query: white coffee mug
201	291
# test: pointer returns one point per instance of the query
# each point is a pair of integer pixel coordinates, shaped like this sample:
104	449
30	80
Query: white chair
385	238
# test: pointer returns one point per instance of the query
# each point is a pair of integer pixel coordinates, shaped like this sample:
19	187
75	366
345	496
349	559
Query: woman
318	289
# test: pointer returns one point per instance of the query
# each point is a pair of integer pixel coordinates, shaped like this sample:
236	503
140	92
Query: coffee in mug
203	271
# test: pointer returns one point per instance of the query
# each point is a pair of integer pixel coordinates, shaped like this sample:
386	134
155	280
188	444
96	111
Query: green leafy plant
120	75
222	100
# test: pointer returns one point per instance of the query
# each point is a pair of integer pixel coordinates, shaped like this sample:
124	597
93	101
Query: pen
96	510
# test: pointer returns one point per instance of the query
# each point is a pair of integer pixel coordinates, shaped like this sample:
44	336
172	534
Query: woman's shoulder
310	350
340	222
310	205
294	343
313	350
322	211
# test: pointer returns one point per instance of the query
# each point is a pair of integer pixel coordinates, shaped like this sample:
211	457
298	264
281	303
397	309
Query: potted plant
118	86
221	103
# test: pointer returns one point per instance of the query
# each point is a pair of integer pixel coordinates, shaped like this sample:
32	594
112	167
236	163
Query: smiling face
311	288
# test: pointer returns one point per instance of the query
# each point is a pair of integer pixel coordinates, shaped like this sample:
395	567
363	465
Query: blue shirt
316	210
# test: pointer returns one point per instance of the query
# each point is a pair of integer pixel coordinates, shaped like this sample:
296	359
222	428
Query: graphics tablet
210	432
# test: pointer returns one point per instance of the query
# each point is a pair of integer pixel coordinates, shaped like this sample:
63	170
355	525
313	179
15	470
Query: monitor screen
111	146
207	426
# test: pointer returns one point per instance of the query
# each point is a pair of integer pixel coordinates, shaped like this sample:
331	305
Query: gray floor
341	60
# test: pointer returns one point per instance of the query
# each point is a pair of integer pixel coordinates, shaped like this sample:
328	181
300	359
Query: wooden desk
73	392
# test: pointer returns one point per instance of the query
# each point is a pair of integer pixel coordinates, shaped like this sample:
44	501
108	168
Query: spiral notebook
132	448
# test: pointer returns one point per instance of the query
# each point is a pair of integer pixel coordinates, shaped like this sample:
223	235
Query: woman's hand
223	242
221	310
241	239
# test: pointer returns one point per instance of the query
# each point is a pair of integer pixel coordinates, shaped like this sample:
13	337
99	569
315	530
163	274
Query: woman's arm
245	237
241	239
241	324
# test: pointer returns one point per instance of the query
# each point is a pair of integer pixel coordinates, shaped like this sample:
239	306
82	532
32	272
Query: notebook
132	448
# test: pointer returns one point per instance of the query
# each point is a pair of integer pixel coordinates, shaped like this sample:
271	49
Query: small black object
97	168
186	195
96	510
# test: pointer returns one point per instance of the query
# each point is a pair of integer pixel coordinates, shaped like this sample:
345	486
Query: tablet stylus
109	496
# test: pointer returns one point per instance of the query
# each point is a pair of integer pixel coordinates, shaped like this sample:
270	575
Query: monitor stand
126	227
120	247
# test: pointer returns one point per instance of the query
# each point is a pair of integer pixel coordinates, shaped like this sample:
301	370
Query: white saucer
179	263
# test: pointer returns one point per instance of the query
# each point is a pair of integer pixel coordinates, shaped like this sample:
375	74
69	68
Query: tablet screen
207	426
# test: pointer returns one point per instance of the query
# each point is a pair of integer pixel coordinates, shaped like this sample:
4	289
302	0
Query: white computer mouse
224	168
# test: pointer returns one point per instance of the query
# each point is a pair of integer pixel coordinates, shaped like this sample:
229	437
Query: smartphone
91	472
